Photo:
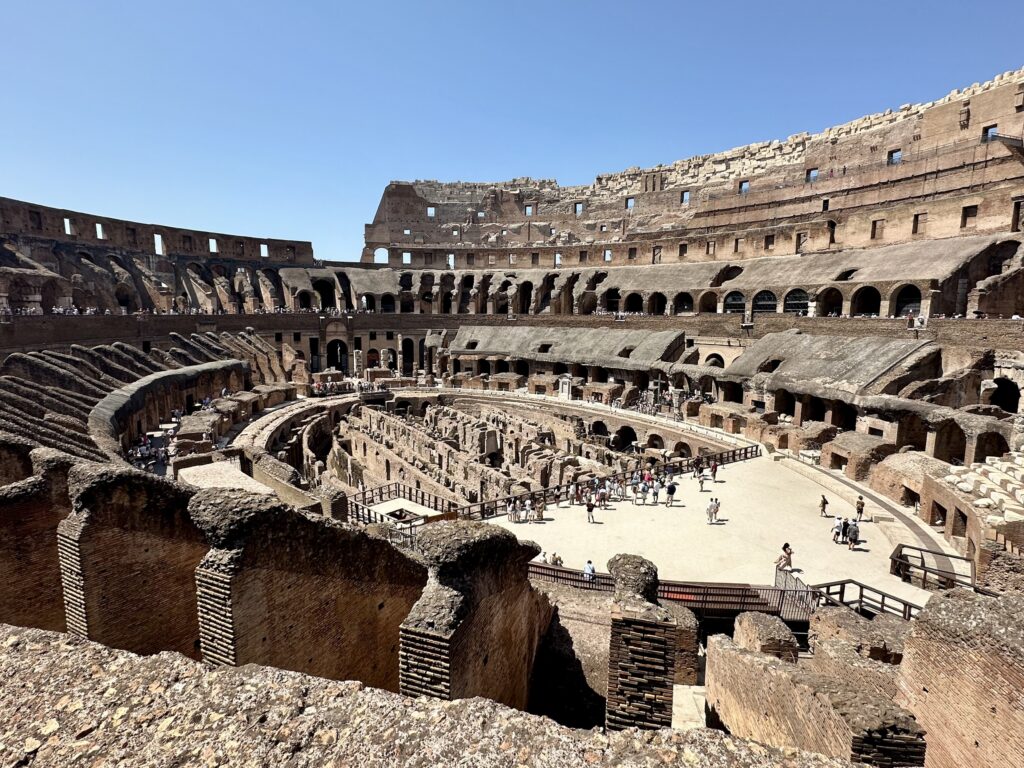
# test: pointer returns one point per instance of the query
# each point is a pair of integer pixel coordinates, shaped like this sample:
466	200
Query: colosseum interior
260	507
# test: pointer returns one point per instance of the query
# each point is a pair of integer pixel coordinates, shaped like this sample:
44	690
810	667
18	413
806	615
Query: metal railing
484	510
382	493
911	564
862	598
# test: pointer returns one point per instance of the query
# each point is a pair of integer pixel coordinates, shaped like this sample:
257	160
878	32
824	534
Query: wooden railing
911	564
862	598
557	493
381	493
705	599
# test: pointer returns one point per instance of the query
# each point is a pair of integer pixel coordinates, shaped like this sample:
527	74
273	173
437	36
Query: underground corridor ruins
517	482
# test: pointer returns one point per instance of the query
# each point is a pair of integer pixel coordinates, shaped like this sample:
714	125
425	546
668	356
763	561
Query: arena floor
763	504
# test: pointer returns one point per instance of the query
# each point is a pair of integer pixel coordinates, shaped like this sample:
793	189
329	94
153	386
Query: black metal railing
919	566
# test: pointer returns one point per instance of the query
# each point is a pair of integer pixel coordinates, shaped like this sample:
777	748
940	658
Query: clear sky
287	119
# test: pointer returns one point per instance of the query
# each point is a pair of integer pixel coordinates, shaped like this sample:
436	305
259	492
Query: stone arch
682	450
387	304
612	299
866	300
682	303
714	360
408	356
380	256
950	443
796	301
623	438
559	368
829	302
735	303
525	297
904	301
656	304
764	301
304	299
655	441
326	294
337	355
599	428
990	444
708	302
634	303
372	358
1007	394
125	298
522	367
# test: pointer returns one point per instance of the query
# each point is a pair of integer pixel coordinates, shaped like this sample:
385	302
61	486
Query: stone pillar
798	411
653	647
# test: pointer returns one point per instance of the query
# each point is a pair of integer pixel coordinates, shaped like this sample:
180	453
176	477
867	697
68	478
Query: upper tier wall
27	219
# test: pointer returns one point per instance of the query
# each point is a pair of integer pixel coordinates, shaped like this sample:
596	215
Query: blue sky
288	119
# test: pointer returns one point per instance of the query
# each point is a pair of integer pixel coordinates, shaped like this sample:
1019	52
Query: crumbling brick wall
764	633
880	638
962	676
760	697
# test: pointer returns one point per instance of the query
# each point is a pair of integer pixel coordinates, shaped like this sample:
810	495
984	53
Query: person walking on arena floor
823	506
785	560
590	509
670	493
860	508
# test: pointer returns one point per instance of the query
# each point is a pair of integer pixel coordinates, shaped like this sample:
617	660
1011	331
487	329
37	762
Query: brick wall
962	676
641	671
764	633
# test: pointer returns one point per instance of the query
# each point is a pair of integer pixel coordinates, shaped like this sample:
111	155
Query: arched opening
446	303
623	439
387	304
305	299
599	428
866	301
683	302
600	375
844	415
830	303
408	356
522	367
950	443
730	391
634	303
407	305
656	304
814	409
611	300
501	366
525	297
682	450
655	441
483	367
714	360
727	273
124	299
337	355
907	301
372	358
380	256
990	444
559	368
325	290
734	304
709	302
369	302
795	301
765	301
1007	395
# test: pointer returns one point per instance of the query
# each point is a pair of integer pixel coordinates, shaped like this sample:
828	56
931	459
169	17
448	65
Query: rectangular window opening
632	253
630	202
737	245
35	220
920	223
213	245
583	257
406	257
158	243
744	186
684	197
682	249
431	211
878	229
577	208
529	210
824	204
69	227
769	242
100	233
607	254
535	259
710	248
988	133
968	216
264	251
895	157
811	174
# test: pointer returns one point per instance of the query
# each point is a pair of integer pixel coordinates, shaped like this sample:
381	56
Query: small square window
529	210
389	335
737	245
769	242
607	254
878	229
577	208
682	249
583	257
297	336
632	253
988	133
406	257
406	231
744	186
969	217
603	228
455	232
511	258
428	258
373	335
801	241
544	349
554	231
480	214
491	259
824	204
431	211
279	337
684	197
710	248
895	157
630	201
535	259
470	259
264	251
811	174
504	231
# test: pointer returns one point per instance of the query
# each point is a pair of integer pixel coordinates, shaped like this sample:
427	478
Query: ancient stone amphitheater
259	508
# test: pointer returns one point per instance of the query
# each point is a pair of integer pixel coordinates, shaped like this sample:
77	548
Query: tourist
710	511
556	559
714	471
670	493
589	571
540	509
510	510
527	509
853	535
655	490
837	529
846	528
590	509
785	560
718	507
544	557
643	492
860	508
700	482
823	506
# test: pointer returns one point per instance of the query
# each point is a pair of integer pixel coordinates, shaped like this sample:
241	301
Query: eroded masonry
219	451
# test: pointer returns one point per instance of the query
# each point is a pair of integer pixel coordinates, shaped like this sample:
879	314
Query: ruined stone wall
962	676
761	697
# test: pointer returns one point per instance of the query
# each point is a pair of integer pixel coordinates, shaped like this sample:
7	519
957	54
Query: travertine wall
962	676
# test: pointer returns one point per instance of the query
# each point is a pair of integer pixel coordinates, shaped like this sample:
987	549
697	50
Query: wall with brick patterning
962	676
760	697
30	510
641	671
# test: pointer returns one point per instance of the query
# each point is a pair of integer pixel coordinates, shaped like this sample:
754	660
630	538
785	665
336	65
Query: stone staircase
997	489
